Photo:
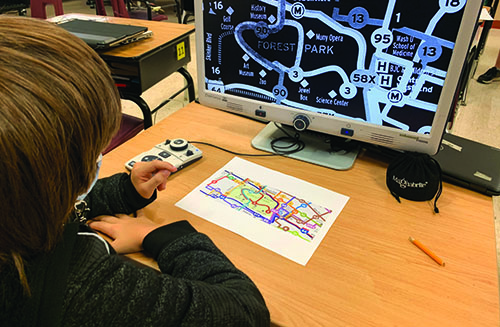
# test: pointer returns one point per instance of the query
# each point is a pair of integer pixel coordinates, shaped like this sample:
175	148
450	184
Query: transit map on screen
383	62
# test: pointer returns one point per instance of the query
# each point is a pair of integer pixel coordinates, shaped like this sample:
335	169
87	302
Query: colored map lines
284	211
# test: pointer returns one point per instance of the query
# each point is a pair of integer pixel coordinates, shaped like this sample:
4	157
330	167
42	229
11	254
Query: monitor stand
317	149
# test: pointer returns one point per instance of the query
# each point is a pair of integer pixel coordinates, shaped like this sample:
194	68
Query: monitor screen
382	72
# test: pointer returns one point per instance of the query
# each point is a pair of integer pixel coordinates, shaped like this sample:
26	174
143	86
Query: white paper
279	212
68	17
485	15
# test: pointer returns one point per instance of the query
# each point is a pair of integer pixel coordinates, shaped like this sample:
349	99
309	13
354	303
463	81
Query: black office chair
138	9
145	9
187	10
15	5
130	126
169	5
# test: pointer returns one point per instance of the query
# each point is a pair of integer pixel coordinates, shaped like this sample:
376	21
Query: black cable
278	149
232	152
293	140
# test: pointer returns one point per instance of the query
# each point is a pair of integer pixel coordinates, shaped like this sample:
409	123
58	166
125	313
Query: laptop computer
102	35
470	164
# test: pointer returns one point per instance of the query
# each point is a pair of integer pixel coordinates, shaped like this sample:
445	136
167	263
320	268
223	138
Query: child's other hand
127	233
148	176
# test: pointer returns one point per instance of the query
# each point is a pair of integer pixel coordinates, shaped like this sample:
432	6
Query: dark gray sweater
197	286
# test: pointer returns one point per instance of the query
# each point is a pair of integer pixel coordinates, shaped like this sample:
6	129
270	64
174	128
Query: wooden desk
139	65
365	272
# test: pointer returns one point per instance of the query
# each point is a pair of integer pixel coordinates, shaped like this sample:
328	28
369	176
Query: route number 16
216	70
217	5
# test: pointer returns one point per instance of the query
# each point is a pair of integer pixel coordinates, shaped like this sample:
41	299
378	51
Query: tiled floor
478	120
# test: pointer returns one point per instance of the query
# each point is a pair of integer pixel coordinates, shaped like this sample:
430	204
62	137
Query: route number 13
429	51
358	18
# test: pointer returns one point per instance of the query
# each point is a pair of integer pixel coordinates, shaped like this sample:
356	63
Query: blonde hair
59	108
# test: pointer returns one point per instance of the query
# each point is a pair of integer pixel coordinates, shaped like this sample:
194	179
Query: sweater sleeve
198	286
113	195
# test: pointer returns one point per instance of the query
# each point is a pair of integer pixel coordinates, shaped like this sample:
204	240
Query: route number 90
280	92
261	30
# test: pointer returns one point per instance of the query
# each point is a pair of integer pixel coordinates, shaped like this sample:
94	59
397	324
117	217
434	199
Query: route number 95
381	38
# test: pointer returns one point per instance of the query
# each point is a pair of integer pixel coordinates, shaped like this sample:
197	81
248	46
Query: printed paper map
280	212
284	211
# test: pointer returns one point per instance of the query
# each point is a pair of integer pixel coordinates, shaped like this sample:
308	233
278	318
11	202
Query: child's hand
127	233
148	176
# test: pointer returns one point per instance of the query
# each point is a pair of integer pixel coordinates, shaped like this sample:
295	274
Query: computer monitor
381	72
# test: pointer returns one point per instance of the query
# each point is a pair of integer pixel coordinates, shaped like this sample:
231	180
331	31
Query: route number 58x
363	78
